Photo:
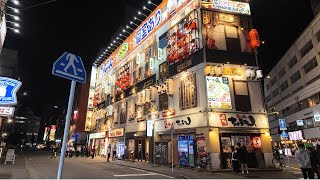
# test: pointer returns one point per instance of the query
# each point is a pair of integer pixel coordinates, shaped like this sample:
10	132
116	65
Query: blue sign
284	134
282	124
148	27
8	90
70	66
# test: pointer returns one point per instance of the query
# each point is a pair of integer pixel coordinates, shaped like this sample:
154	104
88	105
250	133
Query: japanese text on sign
148	27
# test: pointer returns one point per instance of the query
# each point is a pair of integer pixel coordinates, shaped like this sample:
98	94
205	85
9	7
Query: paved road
40	165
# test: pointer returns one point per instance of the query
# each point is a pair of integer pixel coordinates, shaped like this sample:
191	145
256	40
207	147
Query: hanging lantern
254	38
179	34
127	77
122	87
127	83
122	80
192	25
256	141
117	83
210	43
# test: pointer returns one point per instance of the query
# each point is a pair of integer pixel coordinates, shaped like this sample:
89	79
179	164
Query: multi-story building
291	88
190	70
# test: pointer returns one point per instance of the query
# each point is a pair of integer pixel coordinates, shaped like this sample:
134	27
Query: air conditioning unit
169	86
147	96
154	93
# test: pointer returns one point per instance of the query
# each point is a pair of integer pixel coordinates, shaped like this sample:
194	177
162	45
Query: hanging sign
228	6
150	128
6	111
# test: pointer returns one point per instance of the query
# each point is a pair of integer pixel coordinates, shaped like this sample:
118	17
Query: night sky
86	27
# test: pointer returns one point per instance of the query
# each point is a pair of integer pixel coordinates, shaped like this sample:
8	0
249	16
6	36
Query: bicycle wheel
275	163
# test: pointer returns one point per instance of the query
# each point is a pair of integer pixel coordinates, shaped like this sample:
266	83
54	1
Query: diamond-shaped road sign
70	66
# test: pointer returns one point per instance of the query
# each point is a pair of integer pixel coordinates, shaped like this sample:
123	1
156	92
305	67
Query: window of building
306	48
295	77
268	86
268	98
284	86
290	110
308	123
298	89
292	62
273	81
163	70
310	65
188	92
242	98
318	35
282	72
163	102
123	113
275	93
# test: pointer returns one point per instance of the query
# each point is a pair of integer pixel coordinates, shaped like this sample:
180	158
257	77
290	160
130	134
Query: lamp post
140	13
135	18
150	2
144	7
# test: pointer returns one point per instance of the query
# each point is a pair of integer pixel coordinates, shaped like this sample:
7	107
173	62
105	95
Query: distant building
9	63
292	88
315	5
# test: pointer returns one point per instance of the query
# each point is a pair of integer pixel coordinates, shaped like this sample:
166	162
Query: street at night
159	89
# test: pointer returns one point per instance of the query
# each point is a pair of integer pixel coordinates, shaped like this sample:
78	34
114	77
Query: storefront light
267	133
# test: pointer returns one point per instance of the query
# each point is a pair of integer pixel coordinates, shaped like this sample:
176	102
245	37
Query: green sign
123	51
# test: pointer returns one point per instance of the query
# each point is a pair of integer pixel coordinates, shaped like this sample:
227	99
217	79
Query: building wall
9	63
300	91
82	107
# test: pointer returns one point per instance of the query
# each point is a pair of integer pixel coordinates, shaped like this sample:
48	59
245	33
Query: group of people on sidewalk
70	150
309	160
240	159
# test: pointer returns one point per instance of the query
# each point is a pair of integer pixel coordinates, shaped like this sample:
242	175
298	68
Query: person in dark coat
243	157
235	160
314	154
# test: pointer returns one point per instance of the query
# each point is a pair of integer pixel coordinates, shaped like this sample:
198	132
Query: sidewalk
14	171
196	173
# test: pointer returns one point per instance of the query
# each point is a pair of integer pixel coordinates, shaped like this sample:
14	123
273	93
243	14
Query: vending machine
186	151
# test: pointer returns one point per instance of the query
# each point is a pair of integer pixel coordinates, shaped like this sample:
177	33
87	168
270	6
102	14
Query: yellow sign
232	71
123	51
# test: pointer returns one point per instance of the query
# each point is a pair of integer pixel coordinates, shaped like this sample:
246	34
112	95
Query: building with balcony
189	69
292	88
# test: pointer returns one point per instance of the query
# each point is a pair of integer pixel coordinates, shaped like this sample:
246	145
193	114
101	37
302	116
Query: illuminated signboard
228	6
148	27
116	132
52	132
6	111
218	92
106	66
123	51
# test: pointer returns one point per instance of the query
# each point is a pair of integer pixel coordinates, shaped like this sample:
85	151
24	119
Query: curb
165	173
250	170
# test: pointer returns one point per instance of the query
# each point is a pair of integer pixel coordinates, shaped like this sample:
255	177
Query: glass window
273	81
268	86
282	72
275	93
310	65
295	77
290	110
268	98
284	86
292	62
306	48
318	35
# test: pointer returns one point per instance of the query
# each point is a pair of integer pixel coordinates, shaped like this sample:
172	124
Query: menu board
218	92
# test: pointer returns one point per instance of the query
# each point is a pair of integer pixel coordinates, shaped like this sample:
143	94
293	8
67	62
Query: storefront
116	138
250	130
98	141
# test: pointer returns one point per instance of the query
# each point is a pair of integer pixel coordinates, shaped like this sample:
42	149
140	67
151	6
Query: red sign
169	112
53	127
223	119
75	115
6	111
256	141
116	132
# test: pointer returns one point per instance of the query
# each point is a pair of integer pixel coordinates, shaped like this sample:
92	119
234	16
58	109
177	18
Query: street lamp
14	23
123	30
14	30
128	27
16	2
144	7
140	13
111	48
149	2
123	35
14	9
134	23
116	42
135	18
120	38
113	45
14	16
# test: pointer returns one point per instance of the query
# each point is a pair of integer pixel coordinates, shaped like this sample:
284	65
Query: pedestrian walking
93	151
243	158
114	152
108	152
78	151
314	157
82	151
68	151
303	158
54	152
235	160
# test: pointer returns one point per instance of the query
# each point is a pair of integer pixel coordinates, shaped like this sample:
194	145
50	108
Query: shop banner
190	121
150	128
88	121
218	92
238	120
139	126
116	132
52	132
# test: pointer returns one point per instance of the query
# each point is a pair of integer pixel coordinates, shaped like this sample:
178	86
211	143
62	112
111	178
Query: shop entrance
252	141
140	149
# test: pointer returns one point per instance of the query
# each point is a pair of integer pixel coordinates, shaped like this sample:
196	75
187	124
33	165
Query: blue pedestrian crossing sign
70	66
284	134
282	124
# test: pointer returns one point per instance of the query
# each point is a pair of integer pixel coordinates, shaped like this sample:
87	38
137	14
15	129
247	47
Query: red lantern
122	87
117	83
179	34
127	83
192	25
256	142
122	80
254	38
210	43
127	77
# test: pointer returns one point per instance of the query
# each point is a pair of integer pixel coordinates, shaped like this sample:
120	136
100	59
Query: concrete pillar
266	147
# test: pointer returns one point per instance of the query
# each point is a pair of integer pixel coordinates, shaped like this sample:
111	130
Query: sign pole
172	148
66	129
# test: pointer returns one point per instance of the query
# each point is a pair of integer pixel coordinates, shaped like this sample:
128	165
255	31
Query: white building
292	87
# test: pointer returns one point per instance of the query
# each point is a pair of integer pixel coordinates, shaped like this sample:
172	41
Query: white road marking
120	175
149	174
138	169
